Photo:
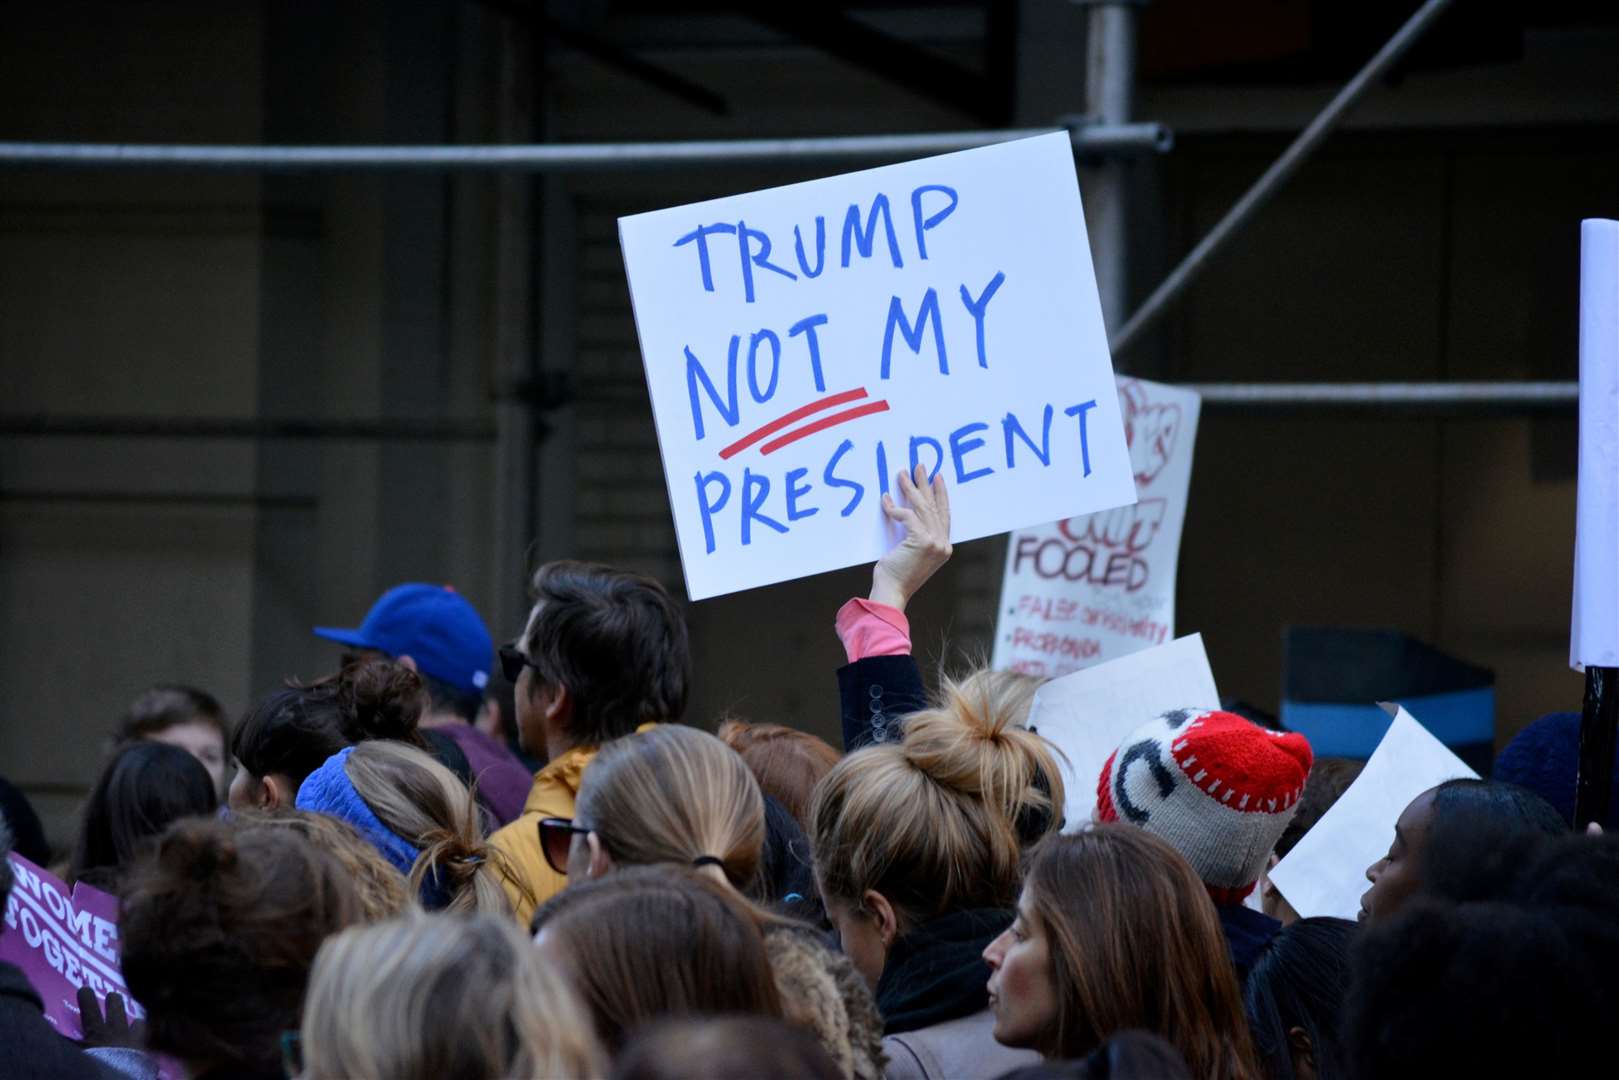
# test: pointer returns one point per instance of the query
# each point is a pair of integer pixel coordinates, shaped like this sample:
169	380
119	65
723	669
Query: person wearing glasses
675	796
435	632
604	654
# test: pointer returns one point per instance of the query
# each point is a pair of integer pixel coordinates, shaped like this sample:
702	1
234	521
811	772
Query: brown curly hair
220	926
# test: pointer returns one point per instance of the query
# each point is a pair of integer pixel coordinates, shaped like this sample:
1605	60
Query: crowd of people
449	860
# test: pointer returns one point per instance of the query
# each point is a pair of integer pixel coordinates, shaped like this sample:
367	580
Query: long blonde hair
426	996
427	806
932	822
673	794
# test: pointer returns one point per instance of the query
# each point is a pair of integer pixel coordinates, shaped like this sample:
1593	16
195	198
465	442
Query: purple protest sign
63	939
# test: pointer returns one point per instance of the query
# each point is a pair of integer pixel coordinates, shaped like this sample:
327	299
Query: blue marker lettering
751	504
1011	426
831	480
924	224
960	447
707	508
730	408
864	239
760	258
753	367
1084	444
913	334
795	491
701	235
882	467
820	248
806	326
976	308
938	455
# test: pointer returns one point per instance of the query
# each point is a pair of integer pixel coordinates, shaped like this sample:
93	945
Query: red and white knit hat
1216	787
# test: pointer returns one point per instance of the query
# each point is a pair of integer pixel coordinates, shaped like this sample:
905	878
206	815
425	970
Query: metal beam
1278	173
1391	399
561	158
247	427
1277	399
1110	75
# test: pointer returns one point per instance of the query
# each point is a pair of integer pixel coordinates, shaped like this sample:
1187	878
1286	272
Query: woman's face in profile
1398	874
1022	986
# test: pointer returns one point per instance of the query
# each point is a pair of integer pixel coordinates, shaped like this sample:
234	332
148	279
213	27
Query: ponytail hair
426	805
673	794
933	822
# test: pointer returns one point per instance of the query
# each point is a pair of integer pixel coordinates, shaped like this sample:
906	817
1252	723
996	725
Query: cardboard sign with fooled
804	344
62	939
1325	873
1594	638
1090	589
1087	714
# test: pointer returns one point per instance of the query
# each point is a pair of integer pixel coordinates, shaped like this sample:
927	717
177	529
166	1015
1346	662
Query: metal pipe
1481	397
1110	55
1393	399
1599	714
1278	173
248	427
574	157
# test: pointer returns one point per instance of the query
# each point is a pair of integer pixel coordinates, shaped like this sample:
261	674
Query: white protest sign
1325	873
1594	636
804	344
1087	714
1090	589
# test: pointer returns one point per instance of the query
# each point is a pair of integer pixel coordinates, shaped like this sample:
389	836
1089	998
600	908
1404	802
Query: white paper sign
804	344
1325	873
1087	714
1594	637
1091	589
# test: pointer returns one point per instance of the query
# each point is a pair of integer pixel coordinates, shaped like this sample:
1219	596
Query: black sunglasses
556	840
513	661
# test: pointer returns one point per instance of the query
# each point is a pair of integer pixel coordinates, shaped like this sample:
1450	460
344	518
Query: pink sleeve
867	628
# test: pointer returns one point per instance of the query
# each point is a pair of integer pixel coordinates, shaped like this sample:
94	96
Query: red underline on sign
791	418
821	425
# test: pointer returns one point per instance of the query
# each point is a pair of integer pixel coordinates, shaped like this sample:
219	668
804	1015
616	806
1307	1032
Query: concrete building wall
129	561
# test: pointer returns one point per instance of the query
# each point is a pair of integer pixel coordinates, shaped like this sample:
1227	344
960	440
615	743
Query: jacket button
875	691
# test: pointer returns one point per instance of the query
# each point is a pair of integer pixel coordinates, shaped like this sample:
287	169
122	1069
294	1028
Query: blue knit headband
328	790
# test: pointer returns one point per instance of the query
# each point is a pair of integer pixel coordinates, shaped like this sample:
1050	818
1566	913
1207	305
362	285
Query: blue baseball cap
433	625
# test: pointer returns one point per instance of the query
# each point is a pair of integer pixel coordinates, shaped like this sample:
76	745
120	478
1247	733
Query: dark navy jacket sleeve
876	693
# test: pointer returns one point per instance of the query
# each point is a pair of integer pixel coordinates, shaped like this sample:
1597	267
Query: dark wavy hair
1300	981
143	788
615	640
220	926
1515	980
292	731
1482	832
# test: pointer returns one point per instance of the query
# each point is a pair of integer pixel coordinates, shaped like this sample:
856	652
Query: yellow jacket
556	787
